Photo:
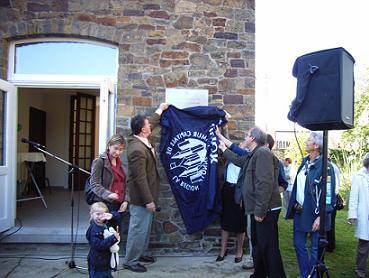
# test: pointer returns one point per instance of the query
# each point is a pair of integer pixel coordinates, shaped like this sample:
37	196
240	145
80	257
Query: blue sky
62	58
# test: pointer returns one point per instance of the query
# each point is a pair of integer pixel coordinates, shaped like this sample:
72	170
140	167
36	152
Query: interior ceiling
95	92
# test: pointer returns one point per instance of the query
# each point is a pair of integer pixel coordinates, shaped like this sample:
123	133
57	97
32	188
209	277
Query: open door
108	102
8	124
81	136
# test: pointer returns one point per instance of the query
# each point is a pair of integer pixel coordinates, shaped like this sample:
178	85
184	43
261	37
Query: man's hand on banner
227	115
222	146
217	131
162	107
226	141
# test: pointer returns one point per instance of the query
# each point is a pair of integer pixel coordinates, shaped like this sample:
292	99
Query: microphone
158	209
24	140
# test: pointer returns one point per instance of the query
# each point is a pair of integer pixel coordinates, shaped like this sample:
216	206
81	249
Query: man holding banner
143	185
260	192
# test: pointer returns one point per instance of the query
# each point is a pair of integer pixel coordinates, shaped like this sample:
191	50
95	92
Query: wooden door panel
82	135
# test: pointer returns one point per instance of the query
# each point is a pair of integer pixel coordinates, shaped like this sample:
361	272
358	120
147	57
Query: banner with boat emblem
189	154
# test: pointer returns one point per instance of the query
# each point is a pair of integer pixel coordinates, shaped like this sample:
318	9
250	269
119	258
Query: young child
99	255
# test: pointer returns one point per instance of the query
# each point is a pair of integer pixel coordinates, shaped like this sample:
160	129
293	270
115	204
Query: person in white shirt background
289	171
358	214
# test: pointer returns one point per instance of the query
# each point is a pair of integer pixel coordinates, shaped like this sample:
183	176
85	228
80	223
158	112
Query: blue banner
189	154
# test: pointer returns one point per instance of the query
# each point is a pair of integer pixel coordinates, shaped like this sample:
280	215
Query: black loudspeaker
325	90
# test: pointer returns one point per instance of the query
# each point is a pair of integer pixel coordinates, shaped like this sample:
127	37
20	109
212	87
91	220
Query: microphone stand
320	268
37	146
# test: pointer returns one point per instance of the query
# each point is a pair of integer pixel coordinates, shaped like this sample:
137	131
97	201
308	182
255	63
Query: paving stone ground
51	260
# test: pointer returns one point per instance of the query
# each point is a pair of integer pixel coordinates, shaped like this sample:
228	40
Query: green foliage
357	138
349	162
293	151
354	142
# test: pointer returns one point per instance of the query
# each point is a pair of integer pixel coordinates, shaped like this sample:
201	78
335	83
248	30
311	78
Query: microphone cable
12	233
297	141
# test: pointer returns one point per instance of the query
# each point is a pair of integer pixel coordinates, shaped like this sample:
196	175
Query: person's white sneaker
248	263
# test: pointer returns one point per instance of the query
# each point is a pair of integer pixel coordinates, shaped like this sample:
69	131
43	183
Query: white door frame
107	109
8	171
106	119
106	85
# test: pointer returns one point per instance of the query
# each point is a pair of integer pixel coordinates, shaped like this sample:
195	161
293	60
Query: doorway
92	68
71	118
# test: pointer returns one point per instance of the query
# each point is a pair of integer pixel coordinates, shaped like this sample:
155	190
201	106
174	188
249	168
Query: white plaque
183	98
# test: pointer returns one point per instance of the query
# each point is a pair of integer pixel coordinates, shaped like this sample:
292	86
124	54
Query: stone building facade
202	44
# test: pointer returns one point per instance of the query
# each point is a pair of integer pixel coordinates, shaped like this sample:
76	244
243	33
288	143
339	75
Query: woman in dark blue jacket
304	204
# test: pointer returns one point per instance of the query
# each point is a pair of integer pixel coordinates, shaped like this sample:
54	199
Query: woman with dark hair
108	178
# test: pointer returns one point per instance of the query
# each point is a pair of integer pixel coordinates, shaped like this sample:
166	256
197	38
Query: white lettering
189	187
214	146
180	136
176	179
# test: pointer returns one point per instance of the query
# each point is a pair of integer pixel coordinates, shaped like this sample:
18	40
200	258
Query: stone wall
207	44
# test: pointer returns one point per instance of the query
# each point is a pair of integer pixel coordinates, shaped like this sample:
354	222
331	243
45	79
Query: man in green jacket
143	187
261	199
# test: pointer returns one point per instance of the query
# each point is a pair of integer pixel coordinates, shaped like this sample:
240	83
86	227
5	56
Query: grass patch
341	262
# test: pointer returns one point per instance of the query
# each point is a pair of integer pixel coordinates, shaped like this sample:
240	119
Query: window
65	57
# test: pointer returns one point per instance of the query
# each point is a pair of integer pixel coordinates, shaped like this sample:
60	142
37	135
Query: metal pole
322	203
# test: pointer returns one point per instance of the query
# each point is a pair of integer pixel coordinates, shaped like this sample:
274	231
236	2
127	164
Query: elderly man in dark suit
260	193
143	185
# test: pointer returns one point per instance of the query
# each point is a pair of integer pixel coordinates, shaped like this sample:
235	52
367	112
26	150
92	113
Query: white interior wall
56	106
57	137
25	101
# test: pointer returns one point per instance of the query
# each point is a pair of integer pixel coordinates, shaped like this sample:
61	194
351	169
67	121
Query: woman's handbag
90	195
339	203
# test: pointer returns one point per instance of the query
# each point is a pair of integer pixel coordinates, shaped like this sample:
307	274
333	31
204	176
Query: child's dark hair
270	141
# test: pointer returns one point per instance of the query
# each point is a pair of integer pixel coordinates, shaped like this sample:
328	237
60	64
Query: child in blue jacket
99	254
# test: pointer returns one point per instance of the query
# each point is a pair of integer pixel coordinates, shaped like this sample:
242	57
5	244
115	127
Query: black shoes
135	268
238	259
221	258
147	259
